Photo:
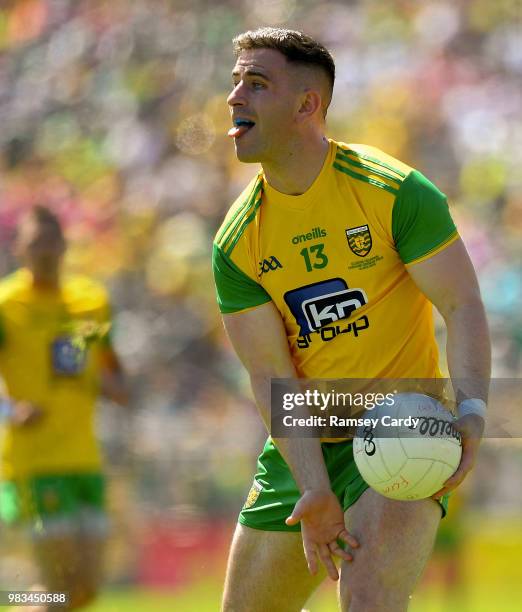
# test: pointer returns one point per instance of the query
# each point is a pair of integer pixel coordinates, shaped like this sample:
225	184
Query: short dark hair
42	216
296	46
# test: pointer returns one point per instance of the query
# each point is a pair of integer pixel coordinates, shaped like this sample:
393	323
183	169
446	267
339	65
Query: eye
258	85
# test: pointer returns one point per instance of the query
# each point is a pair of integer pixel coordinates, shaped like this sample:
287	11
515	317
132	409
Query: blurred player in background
345	240
55	358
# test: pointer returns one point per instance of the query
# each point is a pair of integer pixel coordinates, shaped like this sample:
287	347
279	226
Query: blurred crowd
114	114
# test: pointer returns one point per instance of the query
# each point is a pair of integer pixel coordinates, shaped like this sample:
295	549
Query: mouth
241	127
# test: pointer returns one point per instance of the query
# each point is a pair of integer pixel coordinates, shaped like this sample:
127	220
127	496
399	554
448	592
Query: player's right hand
25	413
471	427
322	526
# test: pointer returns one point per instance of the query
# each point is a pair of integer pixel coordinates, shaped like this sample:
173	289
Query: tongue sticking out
238	130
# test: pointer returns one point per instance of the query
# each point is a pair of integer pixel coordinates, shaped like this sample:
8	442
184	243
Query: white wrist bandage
472	406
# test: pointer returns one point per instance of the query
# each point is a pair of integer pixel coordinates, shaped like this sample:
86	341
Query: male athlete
55	356
327	266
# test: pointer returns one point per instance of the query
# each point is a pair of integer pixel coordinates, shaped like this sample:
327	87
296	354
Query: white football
405	458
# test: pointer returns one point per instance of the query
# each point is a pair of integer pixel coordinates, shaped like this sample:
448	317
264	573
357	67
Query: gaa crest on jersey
253	494
359	240
67	358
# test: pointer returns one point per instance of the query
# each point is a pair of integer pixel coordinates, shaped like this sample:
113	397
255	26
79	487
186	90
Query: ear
311	104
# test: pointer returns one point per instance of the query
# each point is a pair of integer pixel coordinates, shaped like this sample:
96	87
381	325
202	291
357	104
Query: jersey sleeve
235	290
107	337
2	331
421	221
105	319
96	301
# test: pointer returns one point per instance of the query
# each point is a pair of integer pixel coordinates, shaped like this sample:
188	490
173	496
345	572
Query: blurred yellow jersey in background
50	344
334	262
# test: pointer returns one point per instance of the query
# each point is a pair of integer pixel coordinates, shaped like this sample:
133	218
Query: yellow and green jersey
50	343
334	262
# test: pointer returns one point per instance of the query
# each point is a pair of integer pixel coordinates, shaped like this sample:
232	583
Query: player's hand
25	414
322	525
471	428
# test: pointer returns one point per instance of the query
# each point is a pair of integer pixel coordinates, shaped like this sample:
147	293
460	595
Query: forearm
114	387
469	361
114	384
267	356
18	412
469	351
303	455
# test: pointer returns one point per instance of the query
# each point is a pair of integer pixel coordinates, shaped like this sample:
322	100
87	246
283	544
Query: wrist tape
472	406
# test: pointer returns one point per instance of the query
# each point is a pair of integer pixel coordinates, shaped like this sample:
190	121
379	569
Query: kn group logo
272	263
318	304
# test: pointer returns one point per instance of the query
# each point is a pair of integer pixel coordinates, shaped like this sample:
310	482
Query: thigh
70	563
92	544
59	559
90	572
70	559
396	539
69	530
267	571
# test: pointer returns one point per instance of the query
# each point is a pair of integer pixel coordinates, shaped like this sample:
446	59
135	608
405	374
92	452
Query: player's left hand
471	428
322	528
25	414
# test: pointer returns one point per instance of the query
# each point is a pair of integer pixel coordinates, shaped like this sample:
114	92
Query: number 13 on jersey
314	257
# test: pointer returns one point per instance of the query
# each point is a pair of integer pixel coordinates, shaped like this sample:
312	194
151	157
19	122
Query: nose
236	96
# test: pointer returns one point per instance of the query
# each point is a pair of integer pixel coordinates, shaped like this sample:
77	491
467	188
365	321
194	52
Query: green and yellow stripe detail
369	170
450	240
237	224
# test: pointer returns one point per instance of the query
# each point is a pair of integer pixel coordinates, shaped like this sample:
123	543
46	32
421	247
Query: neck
47	282
298	167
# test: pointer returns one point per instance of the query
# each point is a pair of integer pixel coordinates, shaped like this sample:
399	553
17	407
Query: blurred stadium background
113	113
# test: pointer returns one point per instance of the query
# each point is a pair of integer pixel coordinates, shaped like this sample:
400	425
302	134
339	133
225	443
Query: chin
248	158
248	155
